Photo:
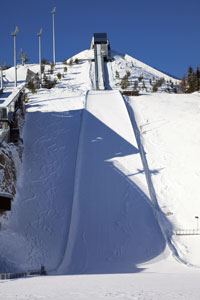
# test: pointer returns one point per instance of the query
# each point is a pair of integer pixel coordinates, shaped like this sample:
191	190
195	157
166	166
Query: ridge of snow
149	69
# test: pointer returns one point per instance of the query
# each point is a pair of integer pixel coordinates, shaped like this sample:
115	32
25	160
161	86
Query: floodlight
40	33
54	10
15	32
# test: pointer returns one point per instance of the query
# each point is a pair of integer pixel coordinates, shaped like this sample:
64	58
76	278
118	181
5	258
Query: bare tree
23	57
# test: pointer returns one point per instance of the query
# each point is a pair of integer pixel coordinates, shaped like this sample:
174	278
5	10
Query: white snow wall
113	227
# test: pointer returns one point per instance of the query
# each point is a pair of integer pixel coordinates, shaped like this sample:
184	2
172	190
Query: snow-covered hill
142	76
82	204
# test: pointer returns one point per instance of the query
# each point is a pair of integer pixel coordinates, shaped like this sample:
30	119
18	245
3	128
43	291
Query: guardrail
187	232
40	272
11	102
18	275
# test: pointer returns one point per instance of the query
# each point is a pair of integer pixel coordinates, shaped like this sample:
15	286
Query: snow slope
169	127
9	74
39	221
141	74
40	214
144	75
111	208
82	204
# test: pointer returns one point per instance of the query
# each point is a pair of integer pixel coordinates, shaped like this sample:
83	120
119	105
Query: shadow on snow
113	228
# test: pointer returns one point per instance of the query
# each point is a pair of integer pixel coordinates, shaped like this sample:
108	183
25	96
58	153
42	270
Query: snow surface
169	125
137	286
83	206
110	206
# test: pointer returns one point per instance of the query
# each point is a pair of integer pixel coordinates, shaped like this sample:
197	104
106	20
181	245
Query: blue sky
163	34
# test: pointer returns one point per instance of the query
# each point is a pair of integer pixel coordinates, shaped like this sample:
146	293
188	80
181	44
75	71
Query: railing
187	232
18	275
9	106
4	276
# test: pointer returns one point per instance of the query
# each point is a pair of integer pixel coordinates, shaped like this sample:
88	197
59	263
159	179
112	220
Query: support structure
40	56
101	47
1	78
54	46
14	34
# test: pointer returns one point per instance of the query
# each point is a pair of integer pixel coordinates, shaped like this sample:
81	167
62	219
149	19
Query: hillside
83	205
144	76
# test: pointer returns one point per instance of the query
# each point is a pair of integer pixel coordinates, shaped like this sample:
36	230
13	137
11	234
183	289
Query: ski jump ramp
113	228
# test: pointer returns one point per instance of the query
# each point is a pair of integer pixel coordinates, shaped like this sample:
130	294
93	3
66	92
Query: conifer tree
198	79
117	75
190	82
183	84
124	82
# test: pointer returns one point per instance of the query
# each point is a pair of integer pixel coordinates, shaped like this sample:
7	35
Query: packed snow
169	126
83	205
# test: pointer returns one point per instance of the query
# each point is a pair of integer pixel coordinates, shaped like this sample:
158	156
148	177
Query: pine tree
71	62
124	82
52	68
198	79
140	78
45	61
190	80
117	75
183	84
59	75
135	87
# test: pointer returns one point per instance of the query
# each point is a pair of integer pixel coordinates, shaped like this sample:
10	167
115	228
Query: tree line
190	82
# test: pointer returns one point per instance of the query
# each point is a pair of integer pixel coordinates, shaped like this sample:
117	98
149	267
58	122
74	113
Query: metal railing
187	232
4	276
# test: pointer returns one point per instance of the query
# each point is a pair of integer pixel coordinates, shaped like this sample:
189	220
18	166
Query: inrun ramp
113	227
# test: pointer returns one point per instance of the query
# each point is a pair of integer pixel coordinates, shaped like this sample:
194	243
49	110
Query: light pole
197	218
54	47
14	34
40	59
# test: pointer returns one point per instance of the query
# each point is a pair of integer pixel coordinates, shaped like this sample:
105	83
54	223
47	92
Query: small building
101	38
5	201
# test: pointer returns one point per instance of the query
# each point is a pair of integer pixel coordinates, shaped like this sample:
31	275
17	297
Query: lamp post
54	47
14	34
197	218
40	59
